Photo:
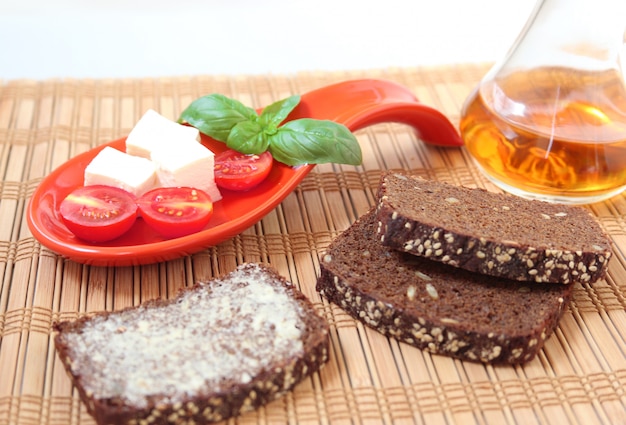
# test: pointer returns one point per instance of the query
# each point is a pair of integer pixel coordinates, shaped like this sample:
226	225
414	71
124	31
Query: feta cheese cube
187	163
112	167
154	130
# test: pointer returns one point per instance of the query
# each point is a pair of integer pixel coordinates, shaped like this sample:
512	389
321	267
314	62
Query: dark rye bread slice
442	309
491	233
218	349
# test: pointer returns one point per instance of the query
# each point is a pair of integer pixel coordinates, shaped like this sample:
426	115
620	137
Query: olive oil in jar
550	133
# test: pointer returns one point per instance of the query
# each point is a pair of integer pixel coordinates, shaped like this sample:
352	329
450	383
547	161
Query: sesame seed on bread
435	307
491	233
215	351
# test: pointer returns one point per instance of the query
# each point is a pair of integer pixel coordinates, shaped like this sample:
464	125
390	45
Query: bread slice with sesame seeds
215	351
491	233
435	307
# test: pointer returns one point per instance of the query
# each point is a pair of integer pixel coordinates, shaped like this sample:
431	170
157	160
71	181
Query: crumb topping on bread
202	342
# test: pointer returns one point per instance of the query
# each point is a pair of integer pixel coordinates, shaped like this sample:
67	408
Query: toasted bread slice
435	307
216	350
491	233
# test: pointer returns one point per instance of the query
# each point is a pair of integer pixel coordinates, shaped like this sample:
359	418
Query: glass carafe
549	120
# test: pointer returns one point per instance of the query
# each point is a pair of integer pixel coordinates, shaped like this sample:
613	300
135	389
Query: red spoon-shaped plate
356	104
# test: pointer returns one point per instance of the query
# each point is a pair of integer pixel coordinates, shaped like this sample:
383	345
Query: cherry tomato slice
98	213
237	171
176	211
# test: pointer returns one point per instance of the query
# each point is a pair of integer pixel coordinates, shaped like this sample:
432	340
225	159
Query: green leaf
247	137
309	141
274	114
302	141
215	115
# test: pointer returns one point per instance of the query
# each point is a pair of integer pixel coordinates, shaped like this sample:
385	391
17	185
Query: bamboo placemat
578	378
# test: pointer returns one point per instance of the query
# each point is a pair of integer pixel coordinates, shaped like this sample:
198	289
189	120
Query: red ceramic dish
356	104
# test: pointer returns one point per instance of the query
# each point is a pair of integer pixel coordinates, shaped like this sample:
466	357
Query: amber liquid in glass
563	137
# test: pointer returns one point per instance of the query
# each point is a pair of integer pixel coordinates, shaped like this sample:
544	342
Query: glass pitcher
549	120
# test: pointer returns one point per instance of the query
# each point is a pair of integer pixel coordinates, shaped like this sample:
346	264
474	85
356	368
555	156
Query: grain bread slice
491	233
435	307
216	350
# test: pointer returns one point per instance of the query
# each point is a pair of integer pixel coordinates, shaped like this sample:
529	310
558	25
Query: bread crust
210	406
435	307
491	233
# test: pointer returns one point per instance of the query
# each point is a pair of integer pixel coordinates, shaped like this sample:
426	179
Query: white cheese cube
112	167
154	130
188	163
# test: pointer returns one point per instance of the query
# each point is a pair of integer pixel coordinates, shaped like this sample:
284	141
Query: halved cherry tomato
98	213
237	171
176	211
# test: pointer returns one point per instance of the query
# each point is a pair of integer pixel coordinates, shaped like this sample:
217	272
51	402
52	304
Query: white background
42	39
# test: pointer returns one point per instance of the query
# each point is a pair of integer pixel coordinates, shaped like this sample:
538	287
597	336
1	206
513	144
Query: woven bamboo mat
578	378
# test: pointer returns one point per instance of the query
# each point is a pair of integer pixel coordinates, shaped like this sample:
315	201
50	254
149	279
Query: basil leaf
302	141
309	141
248	137
274	114
215	115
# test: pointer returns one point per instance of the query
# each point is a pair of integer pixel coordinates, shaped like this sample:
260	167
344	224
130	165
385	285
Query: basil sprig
297	142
